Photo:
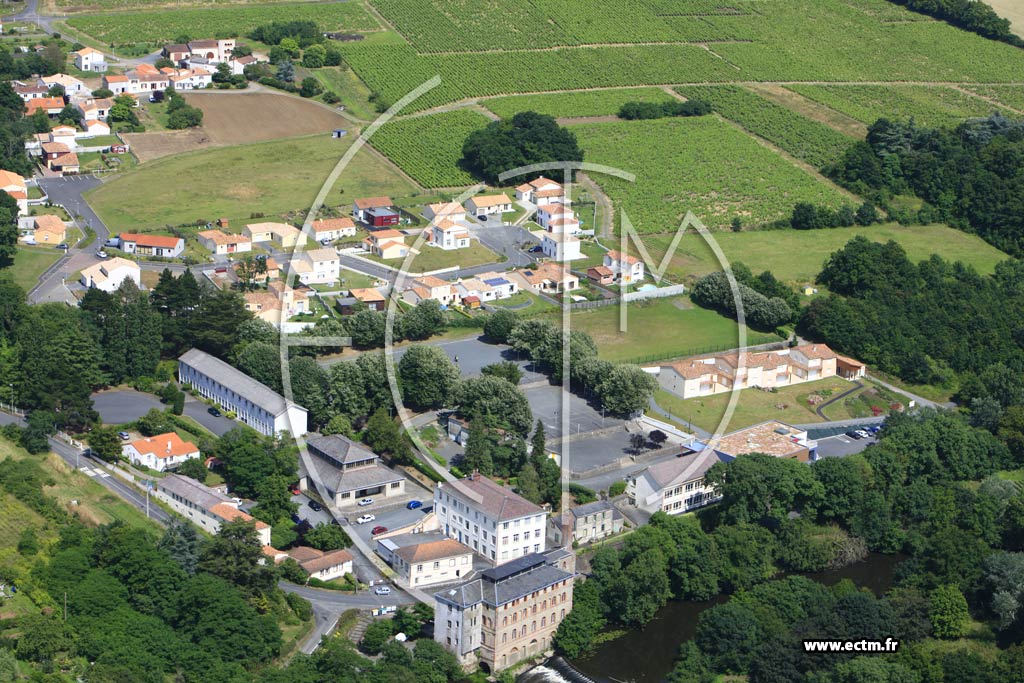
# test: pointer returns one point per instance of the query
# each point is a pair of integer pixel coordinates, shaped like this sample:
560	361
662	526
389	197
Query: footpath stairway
355	634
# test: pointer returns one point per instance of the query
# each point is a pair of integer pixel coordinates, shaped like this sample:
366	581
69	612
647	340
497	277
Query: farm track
984	98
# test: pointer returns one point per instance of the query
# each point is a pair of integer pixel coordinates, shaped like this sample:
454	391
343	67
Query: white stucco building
253	403
108	275
203	506
160	452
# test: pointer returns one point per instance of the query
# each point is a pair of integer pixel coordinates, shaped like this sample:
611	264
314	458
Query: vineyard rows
592	103
429	148
701	164
159	27
1010	95
928	106
810	141
136	5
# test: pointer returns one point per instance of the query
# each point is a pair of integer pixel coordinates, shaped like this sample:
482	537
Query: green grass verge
29	264
575	104
432	258
272	177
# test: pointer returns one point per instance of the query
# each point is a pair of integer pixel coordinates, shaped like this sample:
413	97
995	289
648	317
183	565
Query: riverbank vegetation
929	488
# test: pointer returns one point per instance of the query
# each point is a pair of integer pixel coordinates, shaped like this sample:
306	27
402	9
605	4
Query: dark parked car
854	435
536	250
315	505
413	504
378	530
213	411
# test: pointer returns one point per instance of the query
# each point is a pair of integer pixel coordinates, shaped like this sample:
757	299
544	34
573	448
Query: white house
317	266
426	559
497	523
448	235
332	229
108	275
72	86
540	191
560	246
453	211
221	243
160	452
503	284
152	245
88	59
93	109
675	486
625	268
333	564
489	204
253	403
14	185
348	472
203	506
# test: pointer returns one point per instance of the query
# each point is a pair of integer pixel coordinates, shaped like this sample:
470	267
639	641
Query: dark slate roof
506	582
239	382
192	491
339	449
354	479
591	508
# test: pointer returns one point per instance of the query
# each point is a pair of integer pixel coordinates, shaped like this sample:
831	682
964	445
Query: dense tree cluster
657	110
761	311
971	177
807	216
181	114
526	138
927	489
924	323
971	15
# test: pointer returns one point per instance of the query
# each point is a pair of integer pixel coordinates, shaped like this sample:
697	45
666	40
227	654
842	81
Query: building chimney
168	445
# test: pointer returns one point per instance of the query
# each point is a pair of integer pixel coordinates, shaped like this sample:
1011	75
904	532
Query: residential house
508	614
773	437
586	524
560	246
108	275
282	235
176	52
348	472
497	523
369	297
502	284
65	164
675	486
540	192
451	211
489	204
322	565
317	266
448	235
272	271
66	135
160	452
194	78
221	243
218	50
333	229
431	287
14	185
94	109
602	275
48	229
719	373
547	278
162	246
278	303
253	403
116	83
88	59
473	290
361	208
458	429
97	128
143	78
72	86
204	506
51	105
426	559
625	268
30	91
556	217
387	244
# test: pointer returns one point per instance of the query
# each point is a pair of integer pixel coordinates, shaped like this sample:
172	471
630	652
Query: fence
755	342
639	295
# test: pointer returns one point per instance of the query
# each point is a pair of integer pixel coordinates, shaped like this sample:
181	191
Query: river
646	656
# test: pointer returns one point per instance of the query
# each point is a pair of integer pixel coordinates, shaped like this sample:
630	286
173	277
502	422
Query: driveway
124	405
199	412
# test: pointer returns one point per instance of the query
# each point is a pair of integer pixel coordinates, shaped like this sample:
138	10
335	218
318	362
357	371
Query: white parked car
365	501
365	518
382	590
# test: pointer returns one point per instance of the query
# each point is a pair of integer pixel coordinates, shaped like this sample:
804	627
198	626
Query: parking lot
546	403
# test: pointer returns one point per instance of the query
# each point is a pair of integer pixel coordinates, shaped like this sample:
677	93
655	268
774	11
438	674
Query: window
395	484
451	562
515	538
505	525
437	565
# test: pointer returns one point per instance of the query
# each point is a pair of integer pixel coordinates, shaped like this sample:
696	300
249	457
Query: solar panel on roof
495	281
529	273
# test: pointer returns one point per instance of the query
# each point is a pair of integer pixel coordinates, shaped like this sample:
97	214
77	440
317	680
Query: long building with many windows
497	523
252	402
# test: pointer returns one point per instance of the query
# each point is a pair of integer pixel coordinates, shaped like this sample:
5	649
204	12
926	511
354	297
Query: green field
346	85
928	105
1010	95
432	258
575	104
503	47
429	148
136	5
797	256
272	178
29	264
157	27
700	164
807	140
658	329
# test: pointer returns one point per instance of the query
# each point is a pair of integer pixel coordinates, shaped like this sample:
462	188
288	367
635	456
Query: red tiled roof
162	241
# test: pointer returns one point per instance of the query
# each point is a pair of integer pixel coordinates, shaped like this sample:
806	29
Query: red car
295	490
378	530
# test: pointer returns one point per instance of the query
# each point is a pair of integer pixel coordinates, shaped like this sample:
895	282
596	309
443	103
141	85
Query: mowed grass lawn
797	256
432	258
29	264
659	328
271	178
788	404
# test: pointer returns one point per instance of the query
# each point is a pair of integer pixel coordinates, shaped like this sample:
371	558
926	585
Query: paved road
199	412
92	468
